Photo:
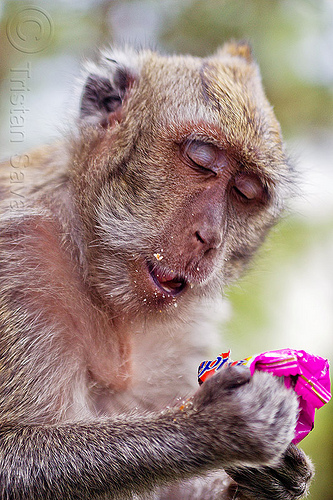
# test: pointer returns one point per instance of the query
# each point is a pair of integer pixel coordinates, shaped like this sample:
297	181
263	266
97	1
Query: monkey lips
168	282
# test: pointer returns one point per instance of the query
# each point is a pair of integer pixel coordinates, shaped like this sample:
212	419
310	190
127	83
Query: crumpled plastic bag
307	374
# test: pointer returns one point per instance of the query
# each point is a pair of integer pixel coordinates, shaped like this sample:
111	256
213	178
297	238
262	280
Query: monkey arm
132	455
87	460
84	461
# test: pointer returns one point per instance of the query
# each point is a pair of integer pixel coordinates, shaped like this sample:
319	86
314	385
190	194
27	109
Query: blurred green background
286	300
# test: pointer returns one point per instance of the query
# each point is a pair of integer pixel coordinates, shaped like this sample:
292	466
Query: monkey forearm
84	461
133	455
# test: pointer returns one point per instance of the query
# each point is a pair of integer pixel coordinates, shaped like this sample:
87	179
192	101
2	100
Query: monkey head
178	172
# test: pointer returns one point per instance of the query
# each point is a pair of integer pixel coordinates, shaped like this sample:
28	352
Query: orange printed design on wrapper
208	368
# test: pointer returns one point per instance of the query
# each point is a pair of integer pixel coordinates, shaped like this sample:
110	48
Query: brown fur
89	341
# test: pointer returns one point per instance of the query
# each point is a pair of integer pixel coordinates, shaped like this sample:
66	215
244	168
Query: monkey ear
104	91
240	48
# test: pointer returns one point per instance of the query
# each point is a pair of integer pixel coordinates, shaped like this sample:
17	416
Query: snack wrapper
307	374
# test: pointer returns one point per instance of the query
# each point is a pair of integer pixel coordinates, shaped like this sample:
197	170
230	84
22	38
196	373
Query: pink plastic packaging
307	374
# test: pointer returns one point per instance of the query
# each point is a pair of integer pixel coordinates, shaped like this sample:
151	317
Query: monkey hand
249	420
289	480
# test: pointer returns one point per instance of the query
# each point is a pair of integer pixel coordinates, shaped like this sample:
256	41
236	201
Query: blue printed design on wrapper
207	368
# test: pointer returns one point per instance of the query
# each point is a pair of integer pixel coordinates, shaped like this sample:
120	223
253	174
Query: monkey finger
225	380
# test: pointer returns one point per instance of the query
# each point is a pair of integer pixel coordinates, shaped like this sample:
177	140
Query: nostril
198	236
207	239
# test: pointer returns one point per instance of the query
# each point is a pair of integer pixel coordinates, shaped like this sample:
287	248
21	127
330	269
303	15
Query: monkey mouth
168	282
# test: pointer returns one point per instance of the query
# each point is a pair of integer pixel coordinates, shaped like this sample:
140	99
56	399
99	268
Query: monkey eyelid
199	154
203	155
248	187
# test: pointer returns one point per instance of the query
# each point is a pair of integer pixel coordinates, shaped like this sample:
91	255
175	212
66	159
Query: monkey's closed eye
249	188
202	154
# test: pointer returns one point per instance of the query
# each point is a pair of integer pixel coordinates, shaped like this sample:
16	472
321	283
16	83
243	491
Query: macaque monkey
128	230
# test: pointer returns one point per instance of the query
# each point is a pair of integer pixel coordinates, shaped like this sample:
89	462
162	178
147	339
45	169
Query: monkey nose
207	238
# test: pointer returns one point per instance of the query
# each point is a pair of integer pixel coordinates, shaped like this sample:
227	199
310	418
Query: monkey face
185	171
192	228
